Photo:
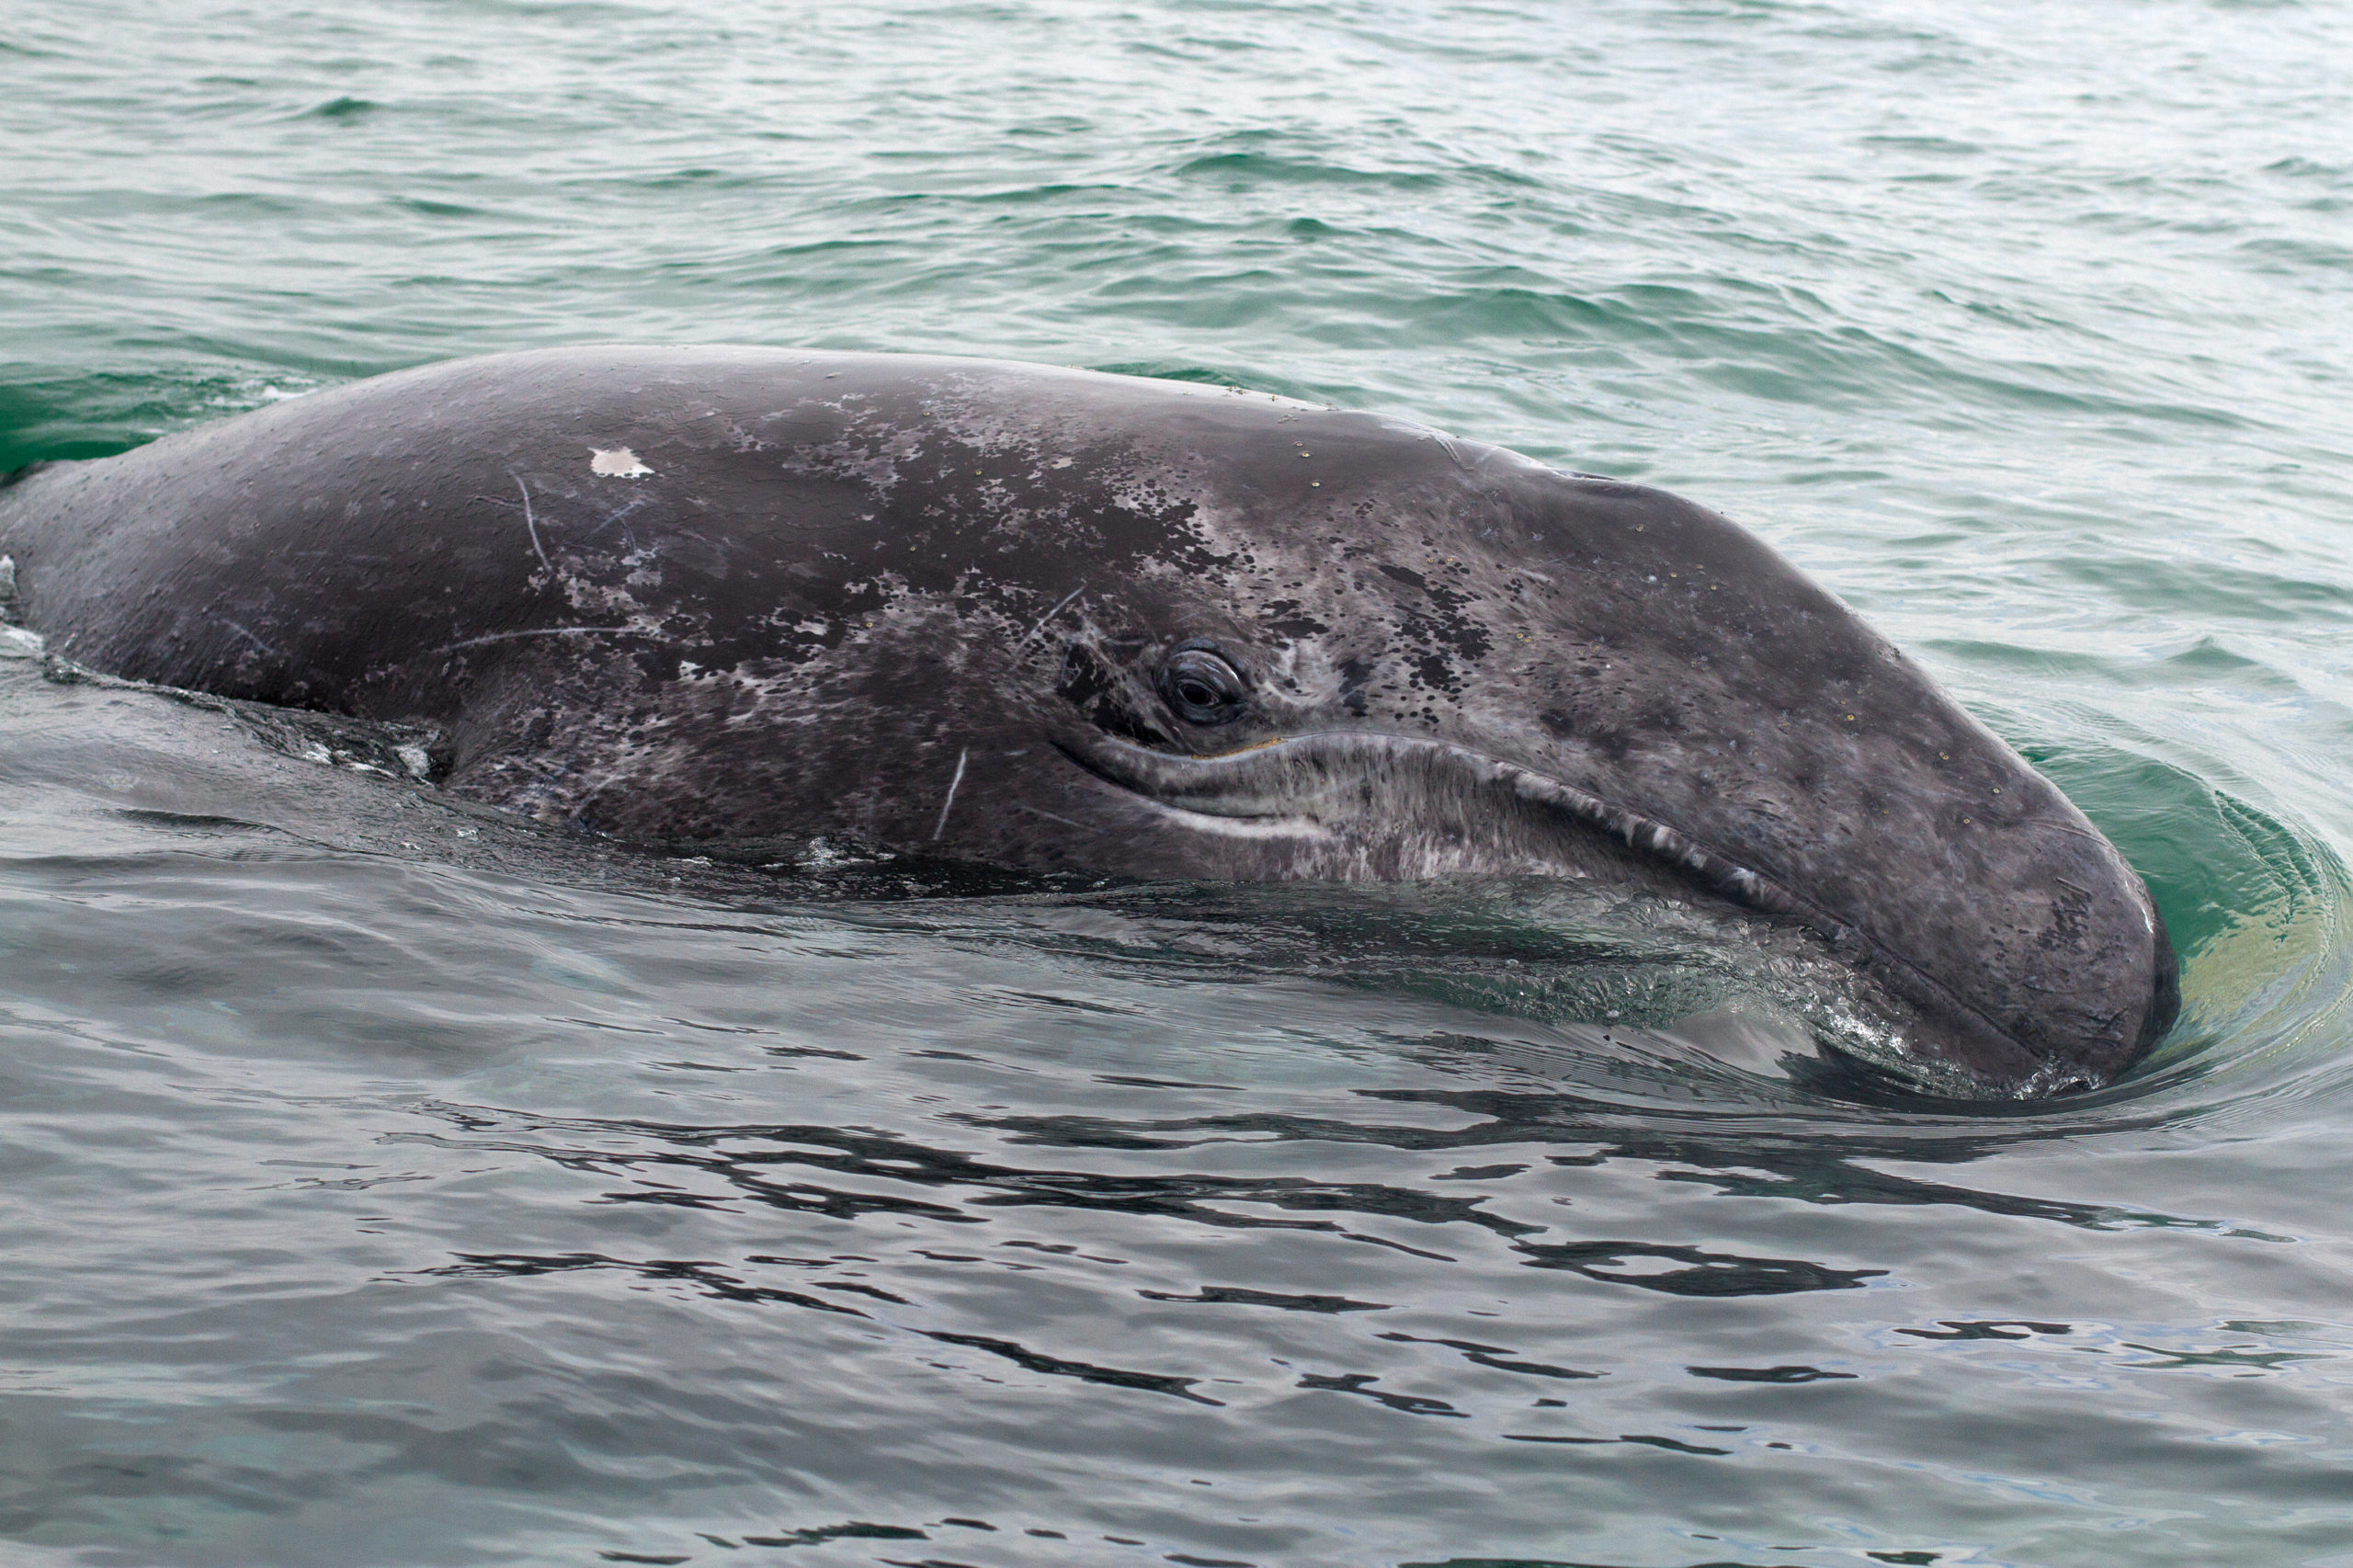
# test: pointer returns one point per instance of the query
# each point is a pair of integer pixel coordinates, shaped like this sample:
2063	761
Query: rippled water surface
390	1183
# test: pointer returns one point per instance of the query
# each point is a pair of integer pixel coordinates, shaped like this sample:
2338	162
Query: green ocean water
385	1184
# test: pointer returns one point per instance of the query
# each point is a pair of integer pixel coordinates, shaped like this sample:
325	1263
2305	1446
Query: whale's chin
1372	806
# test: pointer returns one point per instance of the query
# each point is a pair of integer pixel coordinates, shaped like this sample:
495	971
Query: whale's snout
2037	945
1680	669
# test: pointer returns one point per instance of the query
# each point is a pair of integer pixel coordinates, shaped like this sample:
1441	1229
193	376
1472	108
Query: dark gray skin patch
930	603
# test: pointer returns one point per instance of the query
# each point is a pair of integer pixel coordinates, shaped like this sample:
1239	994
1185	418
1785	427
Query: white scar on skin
249	637
1023	806
1048	616
547	631
532	523
949	804
618	463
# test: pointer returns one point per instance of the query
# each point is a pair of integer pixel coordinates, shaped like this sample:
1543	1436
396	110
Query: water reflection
735	1208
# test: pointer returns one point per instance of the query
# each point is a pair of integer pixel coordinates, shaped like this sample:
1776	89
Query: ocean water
384	1182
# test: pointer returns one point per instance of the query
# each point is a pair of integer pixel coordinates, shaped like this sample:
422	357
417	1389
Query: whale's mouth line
1235	786
1216	784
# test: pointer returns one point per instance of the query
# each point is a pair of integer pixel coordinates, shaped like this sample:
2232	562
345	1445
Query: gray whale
1060	620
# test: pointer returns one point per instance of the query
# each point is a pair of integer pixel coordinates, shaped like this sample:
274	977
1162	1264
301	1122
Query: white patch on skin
617	463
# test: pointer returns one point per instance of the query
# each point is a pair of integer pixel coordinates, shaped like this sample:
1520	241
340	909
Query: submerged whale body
1060	620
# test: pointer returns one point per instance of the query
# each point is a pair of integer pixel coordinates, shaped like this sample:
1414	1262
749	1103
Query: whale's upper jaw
1358	803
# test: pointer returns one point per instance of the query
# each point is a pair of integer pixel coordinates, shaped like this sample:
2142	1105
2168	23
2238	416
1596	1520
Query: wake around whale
1059	620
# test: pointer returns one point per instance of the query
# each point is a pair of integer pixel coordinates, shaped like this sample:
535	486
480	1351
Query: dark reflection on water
750	1169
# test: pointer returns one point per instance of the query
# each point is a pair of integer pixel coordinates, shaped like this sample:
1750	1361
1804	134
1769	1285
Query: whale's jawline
1246	785
1219	784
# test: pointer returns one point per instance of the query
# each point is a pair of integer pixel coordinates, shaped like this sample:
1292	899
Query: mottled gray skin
928	603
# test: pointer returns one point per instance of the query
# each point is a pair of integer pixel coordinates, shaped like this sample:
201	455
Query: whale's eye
1202	686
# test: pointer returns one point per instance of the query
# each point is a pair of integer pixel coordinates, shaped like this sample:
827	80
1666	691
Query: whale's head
1324	646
